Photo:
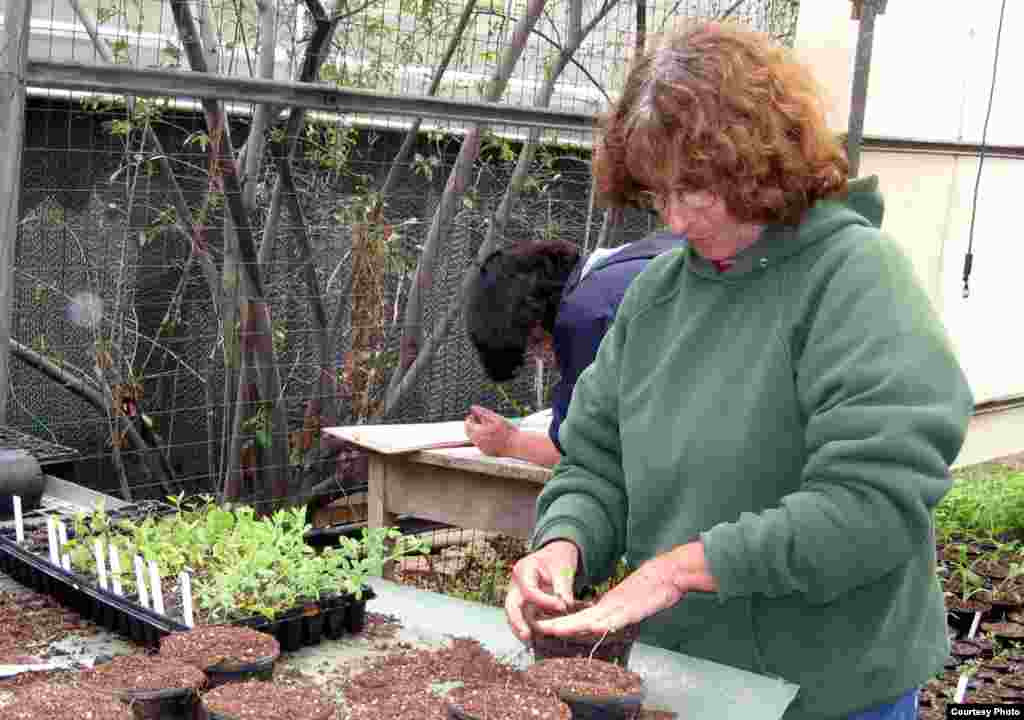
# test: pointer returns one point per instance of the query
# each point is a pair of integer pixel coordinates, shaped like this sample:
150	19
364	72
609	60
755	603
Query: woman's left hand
658	584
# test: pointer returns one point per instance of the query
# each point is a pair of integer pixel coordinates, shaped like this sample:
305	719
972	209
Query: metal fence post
13	62
865	11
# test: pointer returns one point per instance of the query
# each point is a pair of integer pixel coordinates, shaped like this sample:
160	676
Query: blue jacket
587	309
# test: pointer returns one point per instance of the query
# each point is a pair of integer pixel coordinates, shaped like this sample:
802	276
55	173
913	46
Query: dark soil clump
595	678
256	700
483	701
48	701
220	646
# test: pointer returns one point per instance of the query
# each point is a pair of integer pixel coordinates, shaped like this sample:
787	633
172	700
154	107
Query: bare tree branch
411	134
458	180
95	397
558	46
498	224
733	8
261	118
254	316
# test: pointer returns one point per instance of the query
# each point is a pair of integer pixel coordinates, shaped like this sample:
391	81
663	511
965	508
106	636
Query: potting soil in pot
258	700
154	686
48	701
220	649
582	676
143	672
489	701
593	689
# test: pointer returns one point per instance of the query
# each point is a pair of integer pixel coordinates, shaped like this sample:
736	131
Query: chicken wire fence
126	339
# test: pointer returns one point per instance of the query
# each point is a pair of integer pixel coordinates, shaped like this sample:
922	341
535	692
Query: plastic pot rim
231	667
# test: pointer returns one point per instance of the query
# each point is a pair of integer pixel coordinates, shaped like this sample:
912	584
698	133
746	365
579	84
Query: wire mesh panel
201	286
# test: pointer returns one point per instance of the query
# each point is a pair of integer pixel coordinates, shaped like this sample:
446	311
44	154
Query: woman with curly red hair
770	420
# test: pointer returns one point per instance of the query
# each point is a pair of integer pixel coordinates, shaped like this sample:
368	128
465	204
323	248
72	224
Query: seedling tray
294	629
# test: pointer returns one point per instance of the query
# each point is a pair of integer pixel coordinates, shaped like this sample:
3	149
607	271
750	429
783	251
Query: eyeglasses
658	202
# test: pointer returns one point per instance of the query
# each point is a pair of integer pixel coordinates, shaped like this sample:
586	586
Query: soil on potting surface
414	705
415	671
584	677
140	673
488	701
29	621
257	700
49	701
404	684
213	645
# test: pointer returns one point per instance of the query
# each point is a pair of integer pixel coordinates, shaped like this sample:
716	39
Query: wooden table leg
377	515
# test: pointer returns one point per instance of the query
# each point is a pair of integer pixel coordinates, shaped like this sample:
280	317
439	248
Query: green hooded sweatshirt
797	413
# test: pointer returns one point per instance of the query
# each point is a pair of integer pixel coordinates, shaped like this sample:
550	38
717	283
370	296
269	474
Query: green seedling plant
970	582
353	562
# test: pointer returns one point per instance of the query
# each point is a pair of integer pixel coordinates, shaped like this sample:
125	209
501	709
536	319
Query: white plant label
185	582
115	570
19	522
140	581
51	535
101	562
974	625
961	689
154	585
62	540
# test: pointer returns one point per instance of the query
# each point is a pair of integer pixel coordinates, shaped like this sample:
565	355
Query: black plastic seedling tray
114	612
293	629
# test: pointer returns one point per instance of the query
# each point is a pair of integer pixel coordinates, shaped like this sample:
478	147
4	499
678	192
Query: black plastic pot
960	619
335	610
157	704
457	713
355	611
226	672
592	707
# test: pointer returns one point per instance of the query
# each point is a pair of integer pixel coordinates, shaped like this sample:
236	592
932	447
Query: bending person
540	297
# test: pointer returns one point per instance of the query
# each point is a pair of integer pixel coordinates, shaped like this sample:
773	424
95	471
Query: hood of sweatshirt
862	205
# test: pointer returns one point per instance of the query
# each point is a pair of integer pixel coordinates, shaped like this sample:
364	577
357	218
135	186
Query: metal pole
865	10
13	61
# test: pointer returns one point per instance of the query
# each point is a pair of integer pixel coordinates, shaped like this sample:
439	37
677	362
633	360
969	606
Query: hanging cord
969	257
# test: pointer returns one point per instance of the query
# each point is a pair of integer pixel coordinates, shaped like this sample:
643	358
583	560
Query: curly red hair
718	107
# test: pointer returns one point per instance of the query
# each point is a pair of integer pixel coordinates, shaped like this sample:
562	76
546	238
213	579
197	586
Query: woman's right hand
489	431
541	580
